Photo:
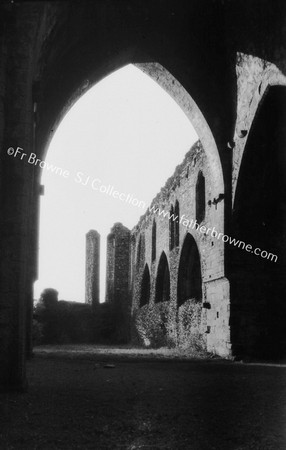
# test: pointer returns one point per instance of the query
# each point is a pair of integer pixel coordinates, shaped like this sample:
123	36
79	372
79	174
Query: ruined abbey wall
172	258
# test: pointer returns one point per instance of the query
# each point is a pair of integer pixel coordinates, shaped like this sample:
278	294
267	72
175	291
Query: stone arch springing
250	100
162	293
145	287
171	85
171	229
154	238
189	276
177	224
200	197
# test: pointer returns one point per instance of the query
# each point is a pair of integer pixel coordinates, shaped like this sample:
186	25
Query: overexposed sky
126	132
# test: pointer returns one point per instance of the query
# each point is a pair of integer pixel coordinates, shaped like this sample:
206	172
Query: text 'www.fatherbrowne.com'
193	224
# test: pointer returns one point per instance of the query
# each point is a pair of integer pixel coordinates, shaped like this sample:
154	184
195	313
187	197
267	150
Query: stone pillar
17	198
117	279
110	259
92	268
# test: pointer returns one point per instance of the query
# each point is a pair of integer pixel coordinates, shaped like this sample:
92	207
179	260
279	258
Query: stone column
92	268
117	279
110	259
18	193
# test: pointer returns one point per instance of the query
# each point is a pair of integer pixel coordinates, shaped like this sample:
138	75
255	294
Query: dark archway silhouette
189	276
258	284
145	287
163	280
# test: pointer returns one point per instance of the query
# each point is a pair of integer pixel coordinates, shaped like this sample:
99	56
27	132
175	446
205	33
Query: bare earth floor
83	397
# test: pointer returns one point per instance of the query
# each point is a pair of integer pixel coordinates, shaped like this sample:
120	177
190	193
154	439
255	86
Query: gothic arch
145	287
176	91
189	275
162	293
166	80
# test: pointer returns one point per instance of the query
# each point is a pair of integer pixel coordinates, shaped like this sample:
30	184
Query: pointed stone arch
145	287
189	274
172	86
162	292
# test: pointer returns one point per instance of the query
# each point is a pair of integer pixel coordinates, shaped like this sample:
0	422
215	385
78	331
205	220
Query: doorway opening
190	277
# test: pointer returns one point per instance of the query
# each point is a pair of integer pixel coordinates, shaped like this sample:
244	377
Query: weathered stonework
117	279
201	322
254	77
92	268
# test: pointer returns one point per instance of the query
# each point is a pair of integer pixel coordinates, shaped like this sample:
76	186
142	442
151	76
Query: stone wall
182	248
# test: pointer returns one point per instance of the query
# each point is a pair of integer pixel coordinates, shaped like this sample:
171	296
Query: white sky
125	131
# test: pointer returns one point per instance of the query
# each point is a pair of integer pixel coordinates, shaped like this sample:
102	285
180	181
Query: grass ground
87	397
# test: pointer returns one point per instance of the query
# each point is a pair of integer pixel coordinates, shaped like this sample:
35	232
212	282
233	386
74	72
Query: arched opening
145	287
189	276
86	179
190	109
95	175
154	237
200	198
171	229
177	224
163	280
259	218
